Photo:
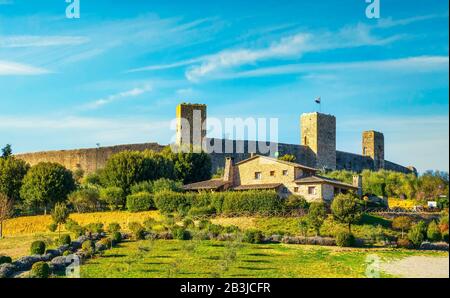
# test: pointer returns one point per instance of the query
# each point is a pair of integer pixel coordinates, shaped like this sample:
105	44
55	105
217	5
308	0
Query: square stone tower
319	134
373	146
191	125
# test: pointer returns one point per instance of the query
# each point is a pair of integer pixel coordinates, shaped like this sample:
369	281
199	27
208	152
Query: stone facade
318	132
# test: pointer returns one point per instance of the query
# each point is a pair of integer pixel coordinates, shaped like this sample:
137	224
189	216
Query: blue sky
115	75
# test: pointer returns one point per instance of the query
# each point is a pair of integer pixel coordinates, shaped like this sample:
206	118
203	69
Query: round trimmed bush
5	260
253	236
345	239
66	253
65	240
114	227
40	270
37	248
116	237
181	234
141	201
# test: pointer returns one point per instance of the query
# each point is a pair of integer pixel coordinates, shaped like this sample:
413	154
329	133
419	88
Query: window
285	173
295	189
311	190
258	175
272	173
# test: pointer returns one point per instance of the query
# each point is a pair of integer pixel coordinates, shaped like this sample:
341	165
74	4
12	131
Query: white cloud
8	68
290	47
408	64
118	96
24	41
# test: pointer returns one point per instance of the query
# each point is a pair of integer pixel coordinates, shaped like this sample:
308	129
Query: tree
402	223
60	215
416	234
6	211
288	157
303	226
346	210
85	199
316	216
113	196
6	151
12	172
46	184
192	167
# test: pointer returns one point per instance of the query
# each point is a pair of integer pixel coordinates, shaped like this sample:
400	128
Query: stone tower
191	125
373	146
319	134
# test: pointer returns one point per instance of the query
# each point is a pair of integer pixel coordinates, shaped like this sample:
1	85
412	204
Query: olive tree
60	214
346	209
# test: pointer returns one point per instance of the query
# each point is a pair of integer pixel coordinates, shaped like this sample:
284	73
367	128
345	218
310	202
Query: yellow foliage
39	224
400	203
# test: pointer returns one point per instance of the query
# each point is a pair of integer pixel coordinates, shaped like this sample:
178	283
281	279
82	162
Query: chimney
228	174
357	182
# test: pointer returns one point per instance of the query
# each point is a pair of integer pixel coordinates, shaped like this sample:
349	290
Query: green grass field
203	259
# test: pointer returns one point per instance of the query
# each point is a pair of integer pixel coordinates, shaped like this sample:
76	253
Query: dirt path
418	267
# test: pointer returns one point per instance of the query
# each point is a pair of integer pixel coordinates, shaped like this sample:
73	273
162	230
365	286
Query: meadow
213	259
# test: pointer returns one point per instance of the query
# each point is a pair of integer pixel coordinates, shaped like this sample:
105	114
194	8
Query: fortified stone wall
89	160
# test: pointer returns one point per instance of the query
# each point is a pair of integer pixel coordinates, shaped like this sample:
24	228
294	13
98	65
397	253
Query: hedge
141	201
206	203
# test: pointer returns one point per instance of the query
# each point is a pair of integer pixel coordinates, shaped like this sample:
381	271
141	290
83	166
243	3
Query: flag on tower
318	100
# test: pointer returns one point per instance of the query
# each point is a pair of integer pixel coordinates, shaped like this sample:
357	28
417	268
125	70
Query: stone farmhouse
316	149
286	178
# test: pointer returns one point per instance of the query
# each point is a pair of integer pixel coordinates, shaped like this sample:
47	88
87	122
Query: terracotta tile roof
258	186
212	184
292	164
320	179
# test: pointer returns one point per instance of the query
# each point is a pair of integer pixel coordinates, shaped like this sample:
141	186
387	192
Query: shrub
40	270
316	216
203	224
253	236
188	223
345	239
141	201
181	234
149	224
116	237
52	227
5	260
67	253
231	229
113	227
169	201
256	202
113	196
164	184
137	230
96	227
202	211
445	236
296	202
85	200
88	247
37	248
416	235
144	186
433	232
404	243
65	239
